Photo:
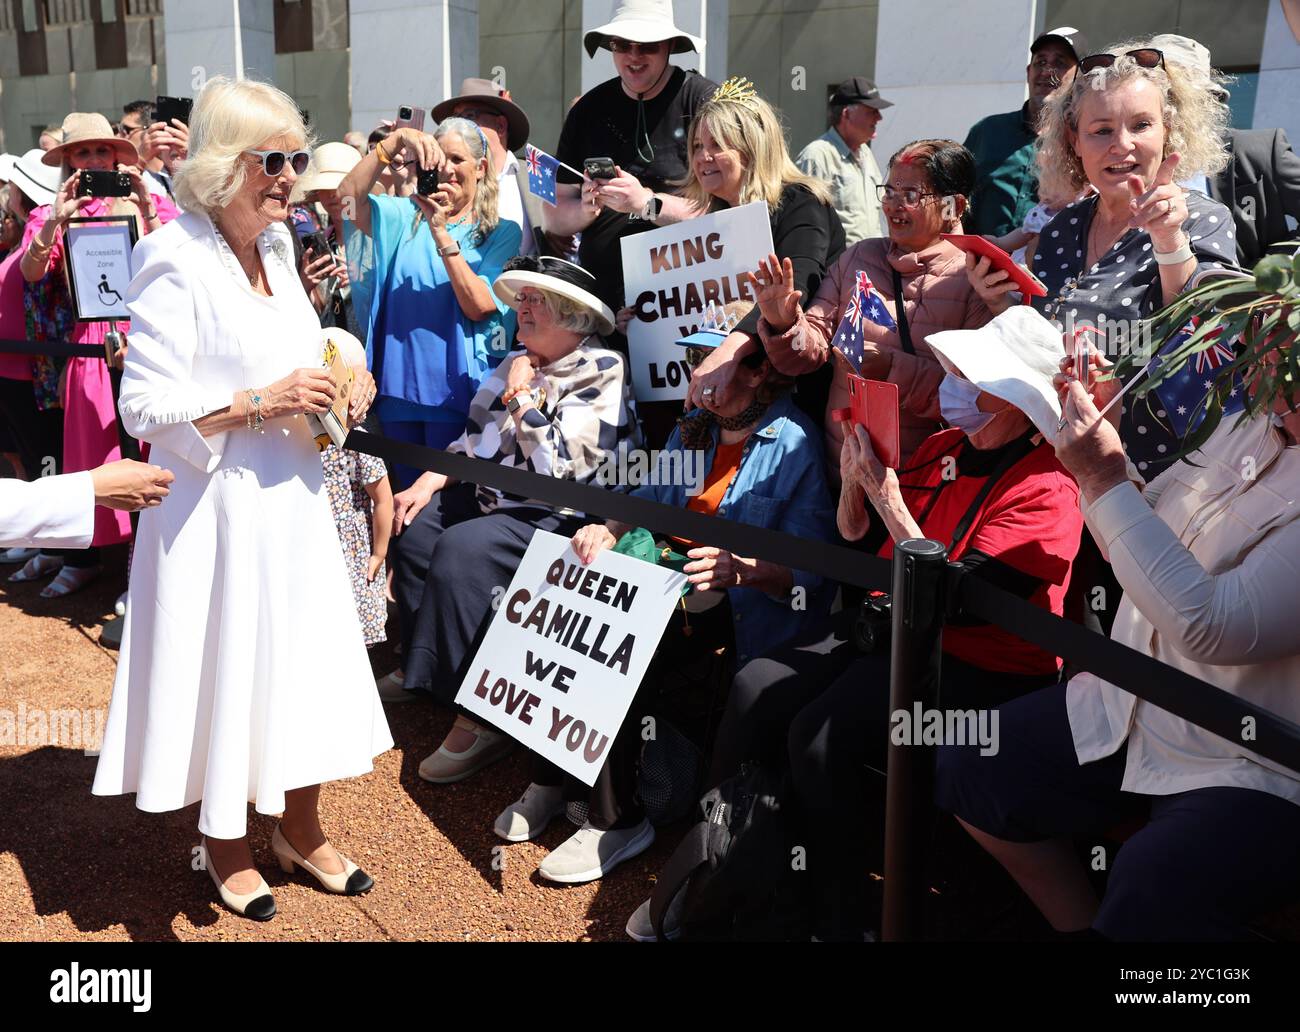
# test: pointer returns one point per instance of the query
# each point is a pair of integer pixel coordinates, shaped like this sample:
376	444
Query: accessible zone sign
672	274
566	651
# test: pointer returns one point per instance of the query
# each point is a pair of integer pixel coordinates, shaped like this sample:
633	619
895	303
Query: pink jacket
938	296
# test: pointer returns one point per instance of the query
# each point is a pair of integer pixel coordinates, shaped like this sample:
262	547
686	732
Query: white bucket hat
330	164
1014	358
643	21
556	276
39	181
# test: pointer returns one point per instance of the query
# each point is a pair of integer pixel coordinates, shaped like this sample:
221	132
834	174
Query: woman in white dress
243	676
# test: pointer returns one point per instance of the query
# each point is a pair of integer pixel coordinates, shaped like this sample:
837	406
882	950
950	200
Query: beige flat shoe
446	768
351	881
259	905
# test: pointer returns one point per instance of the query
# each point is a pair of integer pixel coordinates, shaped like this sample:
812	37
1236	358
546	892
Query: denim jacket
779	485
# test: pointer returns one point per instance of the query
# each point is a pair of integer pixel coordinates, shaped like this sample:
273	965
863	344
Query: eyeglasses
127	131
273	161
1147	57
623	46
908	197
531	298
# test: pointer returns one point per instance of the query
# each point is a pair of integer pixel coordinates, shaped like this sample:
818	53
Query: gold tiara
737	90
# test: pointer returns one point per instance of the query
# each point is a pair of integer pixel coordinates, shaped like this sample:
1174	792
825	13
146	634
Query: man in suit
59	512
1261	185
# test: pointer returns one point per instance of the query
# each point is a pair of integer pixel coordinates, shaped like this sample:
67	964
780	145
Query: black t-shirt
602	124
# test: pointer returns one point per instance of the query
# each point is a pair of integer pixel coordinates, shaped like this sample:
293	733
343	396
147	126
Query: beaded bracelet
254	418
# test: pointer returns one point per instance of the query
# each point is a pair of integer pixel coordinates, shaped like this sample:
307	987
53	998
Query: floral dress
346	475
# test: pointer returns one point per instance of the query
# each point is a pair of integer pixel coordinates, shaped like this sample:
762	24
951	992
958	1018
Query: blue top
780	485
427	356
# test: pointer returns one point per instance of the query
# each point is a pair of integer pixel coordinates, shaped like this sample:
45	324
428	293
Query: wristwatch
517	400
651	209
450	251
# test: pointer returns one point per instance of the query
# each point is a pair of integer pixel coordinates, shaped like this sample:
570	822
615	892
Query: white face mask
957	404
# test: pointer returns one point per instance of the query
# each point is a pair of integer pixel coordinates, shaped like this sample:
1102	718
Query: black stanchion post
916	633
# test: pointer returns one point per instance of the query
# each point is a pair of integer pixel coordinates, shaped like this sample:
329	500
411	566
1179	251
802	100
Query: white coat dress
242	672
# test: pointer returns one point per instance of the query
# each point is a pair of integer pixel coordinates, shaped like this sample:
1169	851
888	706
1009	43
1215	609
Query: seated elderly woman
559	406
761	463
924	196
990	489
1207	558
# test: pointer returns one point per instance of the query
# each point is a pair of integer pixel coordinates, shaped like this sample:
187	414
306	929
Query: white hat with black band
556	276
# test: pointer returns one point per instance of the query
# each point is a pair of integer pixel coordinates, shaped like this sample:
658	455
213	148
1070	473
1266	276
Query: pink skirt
90	427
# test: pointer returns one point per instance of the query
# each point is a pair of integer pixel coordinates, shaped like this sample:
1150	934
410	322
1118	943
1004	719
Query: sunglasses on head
1147	57
273	161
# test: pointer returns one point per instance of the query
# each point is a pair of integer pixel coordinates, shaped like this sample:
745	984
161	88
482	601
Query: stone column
203	38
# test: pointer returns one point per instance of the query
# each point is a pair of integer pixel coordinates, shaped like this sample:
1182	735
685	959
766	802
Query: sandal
70	579
38	567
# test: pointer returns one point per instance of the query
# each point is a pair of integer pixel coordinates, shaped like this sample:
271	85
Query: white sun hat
642	21
556	276
39	181
1014	358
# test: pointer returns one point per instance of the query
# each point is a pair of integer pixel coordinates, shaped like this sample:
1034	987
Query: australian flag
865	304
1181	394
541	173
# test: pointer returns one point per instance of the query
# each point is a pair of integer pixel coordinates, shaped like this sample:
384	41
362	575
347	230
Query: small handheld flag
865	304
541	173
1182	394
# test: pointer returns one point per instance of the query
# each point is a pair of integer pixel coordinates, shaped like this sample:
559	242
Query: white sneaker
391	688
591	853
641	929
528	816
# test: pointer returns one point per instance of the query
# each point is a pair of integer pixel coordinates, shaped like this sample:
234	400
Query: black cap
859	90
1069	37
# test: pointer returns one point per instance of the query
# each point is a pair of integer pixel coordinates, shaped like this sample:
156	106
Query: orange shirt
726	461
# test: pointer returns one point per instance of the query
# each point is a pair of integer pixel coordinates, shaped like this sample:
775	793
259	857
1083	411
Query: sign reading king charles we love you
567	649
671	275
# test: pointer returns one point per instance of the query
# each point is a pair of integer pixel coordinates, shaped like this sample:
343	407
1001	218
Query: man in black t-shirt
638	120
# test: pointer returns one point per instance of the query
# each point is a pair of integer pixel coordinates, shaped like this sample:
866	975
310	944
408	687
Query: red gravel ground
74	867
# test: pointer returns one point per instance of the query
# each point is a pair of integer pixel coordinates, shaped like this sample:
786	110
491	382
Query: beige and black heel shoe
258	905
351	881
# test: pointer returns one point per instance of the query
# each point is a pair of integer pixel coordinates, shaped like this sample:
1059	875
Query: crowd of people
478	320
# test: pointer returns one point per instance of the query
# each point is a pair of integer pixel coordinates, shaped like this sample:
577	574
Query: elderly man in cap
639	121
842	157
1006	187
1261	185
505	126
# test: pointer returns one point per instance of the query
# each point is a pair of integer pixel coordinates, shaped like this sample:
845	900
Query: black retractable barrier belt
55	348
1190	698
831	561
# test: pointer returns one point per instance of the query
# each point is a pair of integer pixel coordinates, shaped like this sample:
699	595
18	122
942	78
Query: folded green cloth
641	544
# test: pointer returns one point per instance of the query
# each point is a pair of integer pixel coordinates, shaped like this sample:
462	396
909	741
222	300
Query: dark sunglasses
1147	57
695	355
623	46
273	161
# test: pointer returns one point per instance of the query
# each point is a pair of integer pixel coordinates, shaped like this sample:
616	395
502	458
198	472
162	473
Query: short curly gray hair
569	314
230	117
1195	121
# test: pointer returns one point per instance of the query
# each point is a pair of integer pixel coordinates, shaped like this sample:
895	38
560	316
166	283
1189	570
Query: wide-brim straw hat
36	179
489	94
1014	358
556	276
330	164
91	127
643	21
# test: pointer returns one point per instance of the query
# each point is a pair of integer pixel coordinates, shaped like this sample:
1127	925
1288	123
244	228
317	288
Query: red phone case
1026	282
873	405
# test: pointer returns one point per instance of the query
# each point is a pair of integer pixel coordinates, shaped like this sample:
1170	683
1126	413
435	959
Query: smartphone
167	108
1026	282
318	243
599	168
103	184
873	405
426	181
408	115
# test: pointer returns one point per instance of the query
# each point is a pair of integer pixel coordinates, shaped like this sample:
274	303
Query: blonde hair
230	117
751	127
485	193
1195	121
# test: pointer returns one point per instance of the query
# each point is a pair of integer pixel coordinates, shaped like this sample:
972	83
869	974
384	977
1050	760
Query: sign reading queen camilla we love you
567	649
672	274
